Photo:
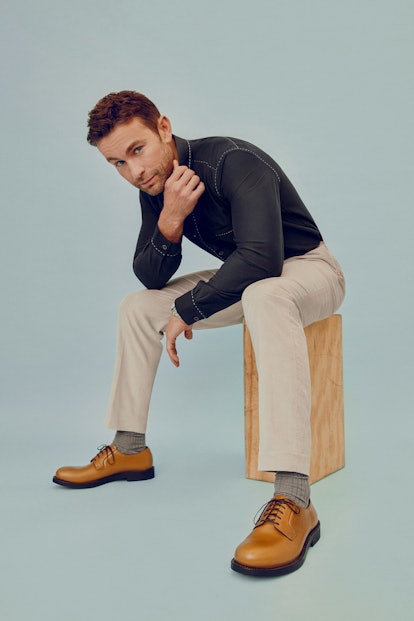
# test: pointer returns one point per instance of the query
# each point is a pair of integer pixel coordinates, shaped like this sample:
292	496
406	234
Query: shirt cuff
164	246
187	308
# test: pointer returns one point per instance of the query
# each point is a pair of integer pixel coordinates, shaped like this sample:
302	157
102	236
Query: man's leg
143	318
276	310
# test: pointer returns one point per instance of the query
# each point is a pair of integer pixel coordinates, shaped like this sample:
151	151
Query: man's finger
179	171
198	191
172	352
194	181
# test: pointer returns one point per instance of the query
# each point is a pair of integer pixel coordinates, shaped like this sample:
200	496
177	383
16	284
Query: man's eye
138	149
119	163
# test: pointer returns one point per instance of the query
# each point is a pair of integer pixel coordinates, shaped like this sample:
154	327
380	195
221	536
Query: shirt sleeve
156	258
251	188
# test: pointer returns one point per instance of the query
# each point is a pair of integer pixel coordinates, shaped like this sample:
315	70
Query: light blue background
327	88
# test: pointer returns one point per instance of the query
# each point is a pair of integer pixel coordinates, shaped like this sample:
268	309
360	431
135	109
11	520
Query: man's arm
158	252
181	193
252	189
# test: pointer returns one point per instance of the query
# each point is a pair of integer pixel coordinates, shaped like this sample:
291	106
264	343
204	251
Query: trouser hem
279	462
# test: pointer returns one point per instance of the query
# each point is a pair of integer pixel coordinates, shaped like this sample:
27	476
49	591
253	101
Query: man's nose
136	169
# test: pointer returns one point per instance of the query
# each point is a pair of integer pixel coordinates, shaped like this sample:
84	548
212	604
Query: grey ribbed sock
293	485
129	442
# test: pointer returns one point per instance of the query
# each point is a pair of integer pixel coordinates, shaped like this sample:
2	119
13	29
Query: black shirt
250	216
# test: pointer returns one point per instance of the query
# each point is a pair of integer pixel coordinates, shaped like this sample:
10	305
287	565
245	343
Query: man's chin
154	187
152	191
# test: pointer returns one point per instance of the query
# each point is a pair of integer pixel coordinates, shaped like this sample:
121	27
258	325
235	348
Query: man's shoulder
213	149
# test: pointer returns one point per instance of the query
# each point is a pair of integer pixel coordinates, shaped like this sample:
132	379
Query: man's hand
174	328
182	190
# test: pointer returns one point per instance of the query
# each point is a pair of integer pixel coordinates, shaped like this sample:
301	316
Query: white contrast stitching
232	142
206	163
195	305
163	254
202	239
237	148
189	154
222	234
264	162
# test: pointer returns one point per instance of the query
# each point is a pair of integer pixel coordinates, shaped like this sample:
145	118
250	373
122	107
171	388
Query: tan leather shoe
108	465
279	541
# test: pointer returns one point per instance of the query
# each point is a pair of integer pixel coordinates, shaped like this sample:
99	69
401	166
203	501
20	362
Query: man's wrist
175	313
173	231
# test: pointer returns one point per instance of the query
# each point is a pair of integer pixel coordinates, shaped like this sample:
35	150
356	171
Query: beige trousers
311	287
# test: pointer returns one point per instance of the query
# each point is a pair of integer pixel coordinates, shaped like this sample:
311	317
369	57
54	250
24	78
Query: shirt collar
184	151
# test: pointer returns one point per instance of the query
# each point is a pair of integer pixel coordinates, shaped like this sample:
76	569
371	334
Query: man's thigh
317	283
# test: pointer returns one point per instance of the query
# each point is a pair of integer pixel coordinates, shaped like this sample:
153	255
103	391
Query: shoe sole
282	570
132	475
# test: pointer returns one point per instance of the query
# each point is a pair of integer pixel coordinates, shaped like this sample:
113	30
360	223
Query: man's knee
270	289
138	303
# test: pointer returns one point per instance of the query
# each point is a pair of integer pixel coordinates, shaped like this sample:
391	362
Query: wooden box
324	340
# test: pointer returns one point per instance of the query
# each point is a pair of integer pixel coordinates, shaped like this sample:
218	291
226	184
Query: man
231	199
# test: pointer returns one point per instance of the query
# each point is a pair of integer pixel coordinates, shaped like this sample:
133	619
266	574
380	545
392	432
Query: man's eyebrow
129	148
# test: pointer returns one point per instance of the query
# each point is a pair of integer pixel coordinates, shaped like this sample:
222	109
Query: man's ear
164	129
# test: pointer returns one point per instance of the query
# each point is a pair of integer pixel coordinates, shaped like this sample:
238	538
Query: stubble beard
161	174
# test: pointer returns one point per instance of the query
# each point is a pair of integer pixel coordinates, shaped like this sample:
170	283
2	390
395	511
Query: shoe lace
273	511
104	450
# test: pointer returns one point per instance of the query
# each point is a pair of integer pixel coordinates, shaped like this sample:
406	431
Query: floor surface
161	549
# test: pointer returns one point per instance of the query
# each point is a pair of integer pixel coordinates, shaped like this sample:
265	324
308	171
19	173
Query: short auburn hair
118	108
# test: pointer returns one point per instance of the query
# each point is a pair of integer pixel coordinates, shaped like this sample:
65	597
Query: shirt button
164	247
221	253
196	318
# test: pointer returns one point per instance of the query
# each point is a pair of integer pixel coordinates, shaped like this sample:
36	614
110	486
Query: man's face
141	156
